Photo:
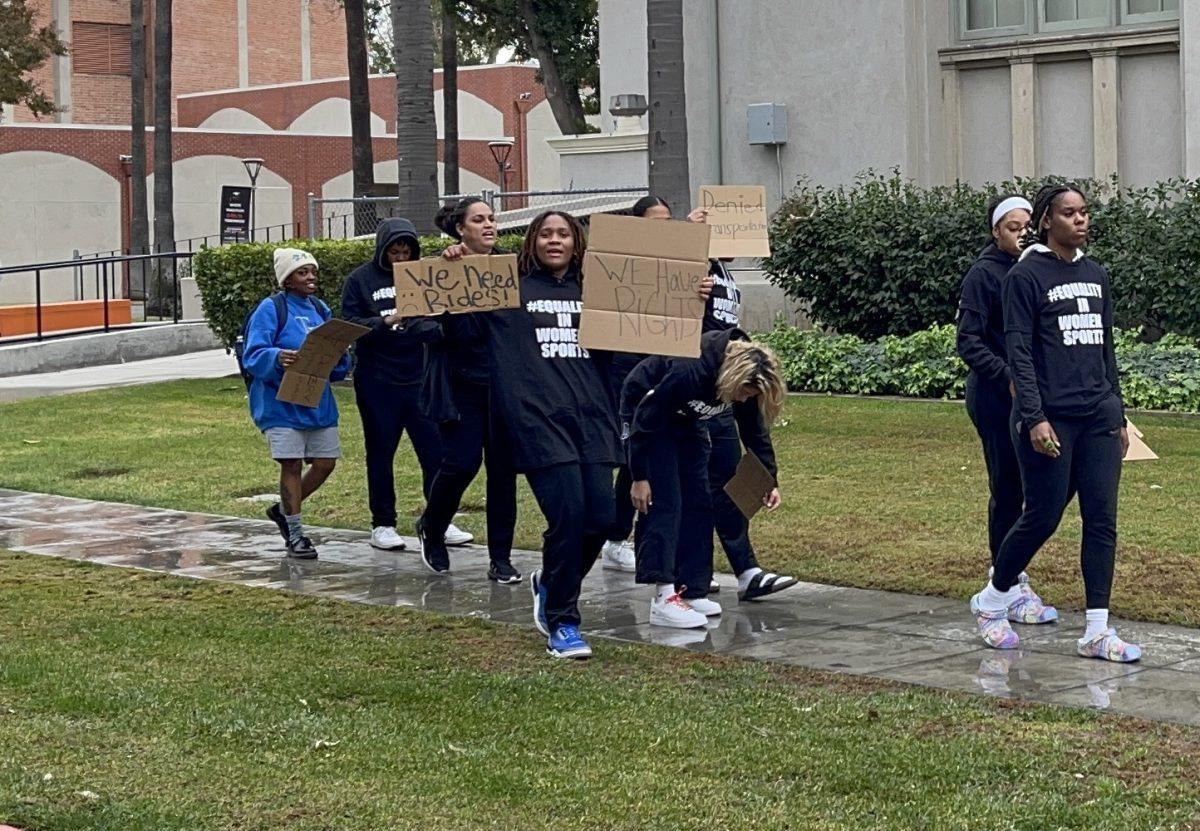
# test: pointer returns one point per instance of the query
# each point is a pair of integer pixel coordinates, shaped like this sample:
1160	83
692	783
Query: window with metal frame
992	18
1149	11
996	19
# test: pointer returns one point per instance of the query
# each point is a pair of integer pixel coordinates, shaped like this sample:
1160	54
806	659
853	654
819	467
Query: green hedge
1154	376
884	256
233	278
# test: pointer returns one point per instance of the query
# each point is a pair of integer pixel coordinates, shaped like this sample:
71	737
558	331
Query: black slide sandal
765	583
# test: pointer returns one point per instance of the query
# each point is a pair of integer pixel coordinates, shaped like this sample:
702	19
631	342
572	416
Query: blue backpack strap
281	313
326	312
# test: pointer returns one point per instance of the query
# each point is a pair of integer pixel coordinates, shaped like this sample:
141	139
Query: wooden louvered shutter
100	48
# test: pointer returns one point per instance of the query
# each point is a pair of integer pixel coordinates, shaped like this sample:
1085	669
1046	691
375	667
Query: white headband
1010	204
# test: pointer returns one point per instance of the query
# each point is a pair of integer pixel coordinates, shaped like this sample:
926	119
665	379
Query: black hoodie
385	354
981	317
661	391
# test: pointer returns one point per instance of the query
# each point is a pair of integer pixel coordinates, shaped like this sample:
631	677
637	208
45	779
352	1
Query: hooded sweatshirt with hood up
386	354
981	317
661	391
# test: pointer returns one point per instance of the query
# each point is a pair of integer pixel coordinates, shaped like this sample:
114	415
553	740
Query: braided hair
1043	204
453	214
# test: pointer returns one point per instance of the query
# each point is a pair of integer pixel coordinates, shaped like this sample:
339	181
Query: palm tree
362	155
139	222
416	127
668	104
450	95
164	183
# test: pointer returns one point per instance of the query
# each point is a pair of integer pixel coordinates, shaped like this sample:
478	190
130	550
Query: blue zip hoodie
262	361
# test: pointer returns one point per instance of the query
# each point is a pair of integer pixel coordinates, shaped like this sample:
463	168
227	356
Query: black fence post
38	292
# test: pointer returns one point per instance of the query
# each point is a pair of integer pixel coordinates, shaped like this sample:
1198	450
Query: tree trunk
139	222
565	103
363	159
164	186
668	107
416	127
450	95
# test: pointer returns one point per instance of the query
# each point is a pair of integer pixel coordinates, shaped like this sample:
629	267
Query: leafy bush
1154	376
233	278
884	256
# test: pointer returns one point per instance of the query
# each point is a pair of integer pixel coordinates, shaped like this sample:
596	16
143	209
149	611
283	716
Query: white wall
986	125
476	117
1064	119
544	166
198	182
235	120
331	117
1151	137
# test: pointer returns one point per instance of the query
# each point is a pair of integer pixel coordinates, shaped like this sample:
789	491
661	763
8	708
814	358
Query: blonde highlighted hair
750	364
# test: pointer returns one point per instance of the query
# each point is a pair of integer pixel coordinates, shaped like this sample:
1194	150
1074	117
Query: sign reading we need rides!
640	278
737	215
480	283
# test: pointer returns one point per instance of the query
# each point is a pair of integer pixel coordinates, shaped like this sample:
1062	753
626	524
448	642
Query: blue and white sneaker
566	642
539	602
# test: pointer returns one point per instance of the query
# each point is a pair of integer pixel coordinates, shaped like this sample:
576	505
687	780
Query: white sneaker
618	556
675	613
457	536
706	607
385	538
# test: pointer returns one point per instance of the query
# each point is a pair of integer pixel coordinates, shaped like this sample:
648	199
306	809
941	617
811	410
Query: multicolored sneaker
1029	608
1108	647
994	627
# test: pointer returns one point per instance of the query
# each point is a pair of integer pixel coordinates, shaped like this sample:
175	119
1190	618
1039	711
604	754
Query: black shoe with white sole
765	583
275	514
301	548
503	572
433	552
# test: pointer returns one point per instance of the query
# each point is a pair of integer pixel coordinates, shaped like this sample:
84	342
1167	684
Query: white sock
1023	577
746	576
1097	622
993	600
664	590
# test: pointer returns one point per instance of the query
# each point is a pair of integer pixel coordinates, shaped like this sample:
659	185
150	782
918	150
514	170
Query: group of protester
481	389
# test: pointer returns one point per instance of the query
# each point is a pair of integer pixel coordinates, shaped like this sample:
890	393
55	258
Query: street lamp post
253	168
500	152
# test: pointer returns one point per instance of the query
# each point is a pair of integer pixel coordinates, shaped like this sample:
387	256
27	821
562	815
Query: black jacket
981	317
385	354
661	391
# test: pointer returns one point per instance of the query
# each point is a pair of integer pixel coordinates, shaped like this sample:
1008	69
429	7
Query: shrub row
232	279
1155	376
884	256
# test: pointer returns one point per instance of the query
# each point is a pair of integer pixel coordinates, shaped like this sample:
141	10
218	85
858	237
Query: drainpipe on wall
715	71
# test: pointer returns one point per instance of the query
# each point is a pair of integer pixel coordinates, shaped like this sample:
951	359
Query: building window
993	18
100	48
1149	11
996	19
1061	15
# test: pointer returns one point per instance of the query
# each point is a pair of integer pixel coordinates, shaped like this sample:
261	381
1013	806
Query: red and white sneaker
676	613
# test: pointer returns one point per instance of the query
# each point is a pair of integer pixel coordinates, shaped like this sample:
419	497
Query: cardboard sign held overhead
640	278
737	215
480	283
304	381
750	485
1139	451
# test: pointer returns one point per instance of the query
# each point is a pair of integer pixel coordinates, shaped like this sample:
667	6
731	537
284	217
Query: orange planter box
58	317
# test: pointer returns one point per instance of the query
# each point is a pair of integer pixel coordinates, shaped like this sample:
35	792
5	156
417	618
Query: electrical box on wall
767	123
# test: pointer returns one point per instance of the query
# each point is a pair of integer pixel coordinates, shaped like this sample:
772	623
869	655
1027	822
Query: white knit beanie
288	260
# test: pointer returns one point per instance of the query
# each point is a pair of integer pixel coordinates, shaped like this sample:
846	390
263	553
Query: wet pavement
920	640
211	363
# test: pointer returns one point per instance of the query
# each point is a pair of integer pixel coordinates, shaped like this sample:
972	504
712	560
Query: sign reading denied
434	285
737	215
639	288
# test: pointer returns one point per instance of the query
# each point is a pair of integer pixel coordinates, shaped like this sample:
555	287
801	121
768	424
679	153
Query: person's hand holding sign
772	500
287	357
699	215
640	495
456	251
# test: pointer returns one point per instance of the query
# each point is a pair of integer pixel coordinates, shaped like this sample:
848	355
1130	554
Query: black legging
733	529
989	406
1091	464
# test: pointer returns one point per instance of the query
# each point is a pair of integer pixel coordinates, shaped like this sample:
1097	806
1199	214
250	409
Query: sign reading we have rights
639	286
480	283
737	215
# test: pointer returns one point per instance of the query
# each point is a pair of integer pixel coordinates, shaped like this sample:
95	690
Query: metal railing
149	282
349	217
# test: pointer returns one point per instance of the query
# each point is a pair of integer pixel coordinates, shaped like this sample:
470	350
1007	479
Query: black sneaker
433	552
502	571
275	514
302	548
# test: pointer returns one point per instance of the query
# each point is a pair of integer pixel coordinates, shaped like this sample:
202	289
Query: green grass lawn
140	702
877	494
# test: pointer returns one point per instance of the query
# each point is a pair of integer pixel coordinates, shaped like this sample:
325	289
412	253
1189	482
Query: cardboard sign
737	215
304	381
479	283
1139	451
750	485
640	278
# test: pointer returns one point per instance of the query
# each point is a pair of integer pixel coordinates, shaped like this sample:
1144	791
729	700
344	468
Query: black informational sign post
235	213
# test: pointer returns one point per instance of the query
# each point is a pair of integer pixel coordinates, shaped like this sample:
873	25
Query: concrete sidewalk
211	363
920	640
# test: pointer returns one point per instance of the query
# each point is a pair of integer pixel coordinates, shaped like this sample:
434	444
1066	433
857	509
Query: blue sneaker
566	642
539	602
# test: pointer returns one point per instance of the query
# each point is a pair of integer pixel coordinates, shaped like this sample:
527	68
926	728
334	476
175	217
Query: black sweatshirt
981	316
724	304
661	391
551	395
385	354
1058	329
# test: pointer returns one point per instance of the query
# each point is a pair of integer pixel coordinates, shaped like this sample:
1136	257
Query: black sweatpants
387	410
990	405
576	500
623	510
673	540
733	529
466	444
1091	464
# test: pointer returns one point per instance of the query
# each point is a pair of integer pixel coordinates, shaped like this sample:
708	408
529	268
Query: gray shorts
287	443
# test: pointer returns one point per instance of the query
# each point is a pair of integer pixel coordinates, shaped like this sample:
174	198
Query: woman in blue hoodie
295	434
990	387
387	376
